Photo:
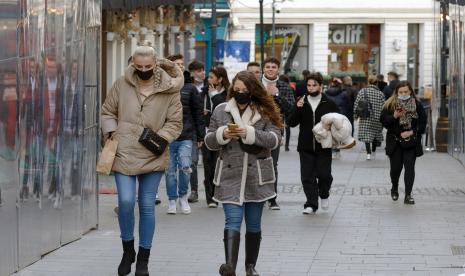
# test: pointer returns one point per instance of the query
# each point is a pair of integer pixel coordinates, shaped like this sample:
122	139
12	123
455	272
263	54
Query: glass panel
413	53
291	45
354	50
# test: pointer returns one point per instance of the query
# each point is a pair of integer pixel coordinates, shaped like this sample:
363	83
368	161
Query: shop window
291	46
354	50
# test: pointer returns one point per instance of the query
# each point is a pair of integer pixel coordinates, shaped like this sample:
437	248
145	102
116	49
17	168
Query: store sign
346	34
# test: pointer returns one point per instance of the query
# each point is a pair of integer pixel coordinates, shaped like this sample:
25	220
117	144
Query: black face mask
242	98
314	94
144	75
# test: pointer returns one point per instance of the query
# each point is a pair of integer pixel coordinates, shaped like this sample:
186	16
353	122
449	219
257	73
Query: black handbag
407	143
153	142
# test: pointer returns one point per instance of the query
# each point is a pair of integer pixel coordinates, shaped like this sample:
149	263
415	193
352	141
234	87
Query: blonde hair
144	49
390	103
372	80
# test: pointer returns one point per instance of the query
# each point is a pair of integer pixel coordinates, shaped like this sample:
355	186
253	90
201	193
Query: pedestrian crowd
165	116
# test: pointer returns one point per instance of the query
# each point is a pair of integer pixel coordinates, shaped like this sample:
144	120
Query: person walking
181	149
218	85
197	74
284	98
342	100
145	99
315	161
244	130
393	79
405	120
348	88
367	109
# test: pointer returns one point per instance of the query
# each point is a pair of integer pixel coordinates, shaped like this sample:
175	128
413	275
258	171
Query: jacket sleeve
422	119
196	113
109	119
214	139
357	99
285	99
269	137
173	122
387	118
295	117
218	99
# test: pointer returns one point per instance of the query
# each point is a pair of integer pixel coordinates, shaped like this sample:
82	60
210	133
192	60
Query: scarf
266	81
411	107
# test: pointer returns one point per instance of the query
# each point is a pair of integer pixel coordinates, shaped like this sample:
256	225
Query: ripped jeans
180	161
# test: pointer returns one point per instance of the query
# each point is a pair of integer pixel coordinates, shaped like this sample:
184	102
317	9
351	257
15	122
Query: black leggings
372	148
403	158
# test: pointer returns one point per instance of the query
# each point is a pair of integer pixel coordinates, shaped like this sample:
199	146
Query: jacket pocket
266	174
218	170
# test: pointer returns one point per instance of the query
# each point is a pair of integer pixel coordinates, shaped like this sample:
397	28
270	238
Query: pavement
364	232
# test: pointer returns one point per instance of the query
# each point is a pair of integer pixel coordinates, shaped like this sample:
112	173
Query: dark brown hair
261	101
195	65
316	76
175	57
220	72
272	60
253	63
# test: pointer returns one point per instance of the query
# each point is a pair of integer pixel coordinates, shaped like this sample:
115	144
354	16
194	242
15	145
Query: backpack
364	107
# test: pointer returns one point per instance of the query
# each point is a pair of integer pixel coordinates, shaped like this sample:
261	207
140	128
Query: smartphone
232	126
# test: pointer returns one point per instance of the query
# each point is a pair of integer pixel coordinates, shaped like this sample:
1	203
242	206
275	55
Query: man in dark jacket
348	87
284	98
381	83
181	149
315	162
301	86
393	79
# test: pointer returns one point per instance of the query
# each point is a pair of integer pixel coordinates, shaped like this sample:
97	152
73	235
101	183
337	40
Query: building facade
338	37
49	126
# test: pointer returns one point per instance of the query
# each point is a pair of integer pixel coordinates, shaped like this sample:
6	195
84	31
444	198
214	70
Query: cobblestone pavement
363	233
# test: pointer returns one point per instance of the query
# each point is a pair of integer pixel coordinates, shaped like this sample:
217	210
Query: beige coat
125	114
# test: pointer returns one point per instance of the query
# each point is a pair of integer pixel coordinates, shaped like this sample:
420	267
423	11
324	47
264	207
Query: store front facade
343	38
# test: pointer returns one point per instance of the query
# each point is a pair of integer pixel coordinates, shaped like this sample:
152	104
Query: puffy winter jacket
340	134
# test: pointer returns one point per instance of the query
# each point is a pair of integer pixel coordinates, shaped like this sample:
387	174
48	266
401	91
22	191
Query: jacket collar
249	118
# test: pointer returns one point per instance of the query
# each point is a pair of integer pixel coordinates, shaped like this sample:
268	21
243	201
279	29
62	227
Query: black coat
192	119
304	117
394	129
301	89
389	89
341	99
381	85
352	94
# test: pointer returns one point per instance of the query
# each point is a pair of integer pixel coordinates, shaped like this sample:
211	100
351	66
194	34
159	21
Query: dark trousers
371	148
209	163
275	156
288	136
194	181
403	158
315	173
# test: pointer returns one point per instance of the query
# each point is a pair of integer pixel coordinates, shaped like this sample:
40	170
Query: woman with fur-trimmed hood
244	130
146	97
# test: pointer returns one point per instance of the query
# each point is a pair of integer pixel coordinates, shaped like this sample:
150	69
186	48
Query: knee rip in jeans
186	169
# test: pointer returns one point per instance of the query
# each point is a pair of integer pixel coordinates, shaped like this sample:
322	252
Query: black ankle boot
129	256
252	247
231	241
142	262
409	200
394	195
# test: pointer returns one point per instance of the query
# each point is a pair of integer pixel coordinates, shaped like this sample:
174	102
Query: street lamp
262	42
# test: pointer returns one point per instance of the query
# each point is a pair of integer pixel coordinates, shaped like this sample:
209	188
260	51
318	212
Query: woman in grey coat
244	130
370	129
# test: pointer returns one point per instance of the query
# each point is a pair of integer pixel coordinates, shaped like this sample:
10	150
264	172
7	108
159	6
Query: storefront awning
129	5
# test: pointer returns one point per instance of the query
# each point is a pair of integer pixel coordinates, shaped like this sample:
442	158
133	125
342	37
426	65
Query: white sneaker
308	211
324	204
212	205
368	156
171	207
185	208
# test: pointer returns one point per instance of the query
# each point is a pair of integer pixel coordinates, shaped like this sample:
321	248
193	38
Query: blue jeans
252	211
148	186
180	159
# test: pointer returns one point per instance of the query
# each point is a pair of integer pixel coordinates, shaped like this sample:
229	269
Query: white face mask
404	97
